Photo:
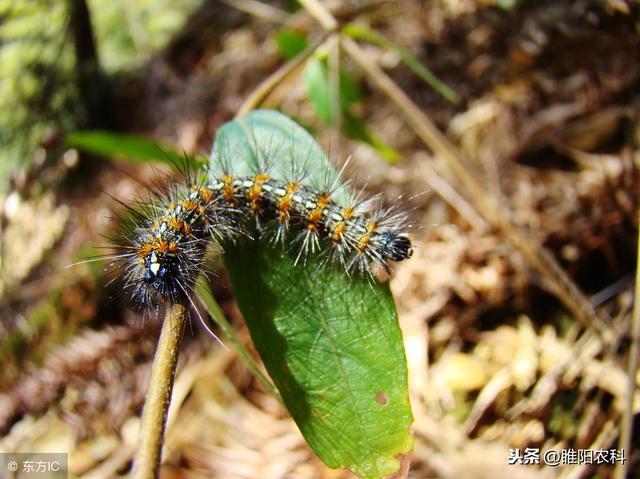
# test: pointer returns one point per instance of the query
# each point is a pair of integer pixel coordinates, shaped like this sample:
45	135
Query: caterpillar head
165	270
160	270
395	246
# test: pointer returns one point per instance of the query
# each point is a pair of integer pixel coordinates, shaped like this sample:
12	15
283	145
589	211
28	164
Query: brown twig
626	426
270	83
154	416
320	13
260	10
333	46
436	181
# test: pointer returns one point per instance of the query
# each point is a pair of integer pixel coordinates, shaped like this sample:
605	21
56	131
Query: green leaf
507	4
291	43
356	128
318	87
127	147
330	342
315	75
350	91
371	36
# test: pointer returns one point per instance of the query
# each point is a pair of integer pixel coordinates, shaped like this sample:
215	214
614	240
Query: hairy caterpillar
163	249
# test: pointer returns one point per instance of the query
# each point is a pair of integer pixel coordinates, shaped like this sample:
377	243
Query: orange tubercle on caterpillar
372	226
363	242
175	223
229	193
286	193
255	192
347	213
315	215
189	204
338	232
205	194
145	250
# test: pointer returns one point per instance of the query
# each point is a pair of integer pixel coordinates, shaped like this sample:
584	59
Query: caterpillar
163	249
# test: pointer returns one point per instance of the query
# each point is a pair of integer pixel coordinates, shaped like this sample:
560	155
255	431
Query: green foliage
356	128
119	146
291	43
330	342
38	84
319	89
371	36
564	417
37	94
508	4
128	32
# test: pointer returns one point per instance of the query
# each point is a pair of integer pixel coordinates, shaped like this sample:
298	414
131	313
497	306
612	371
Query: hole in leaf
382	398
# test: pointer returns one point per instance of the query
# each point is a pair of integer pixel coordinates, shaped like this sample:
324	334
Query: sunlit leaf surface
330	342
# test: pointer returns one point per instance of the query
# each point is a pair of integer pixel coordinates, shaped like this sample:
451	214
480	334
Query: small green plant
329	339
334	101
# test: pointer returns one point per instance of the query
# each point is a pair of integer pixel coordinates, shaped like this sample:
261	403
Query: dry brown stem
154	416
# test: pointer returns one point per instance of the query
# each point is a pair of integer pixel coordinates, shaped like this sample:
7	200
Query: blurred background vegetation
516	318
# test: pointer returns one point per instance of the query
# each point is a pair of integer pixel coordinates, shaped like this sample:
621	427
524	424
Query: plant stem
361	33
154	416
207	299
270	83
318	11
626	427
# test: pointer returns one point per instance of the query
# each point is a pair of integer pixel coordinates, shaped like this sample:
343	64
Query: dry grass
549	132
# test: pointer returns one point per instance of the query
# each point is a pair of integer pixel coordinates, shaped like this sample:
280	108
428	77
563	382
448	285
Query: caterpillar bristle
162	245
